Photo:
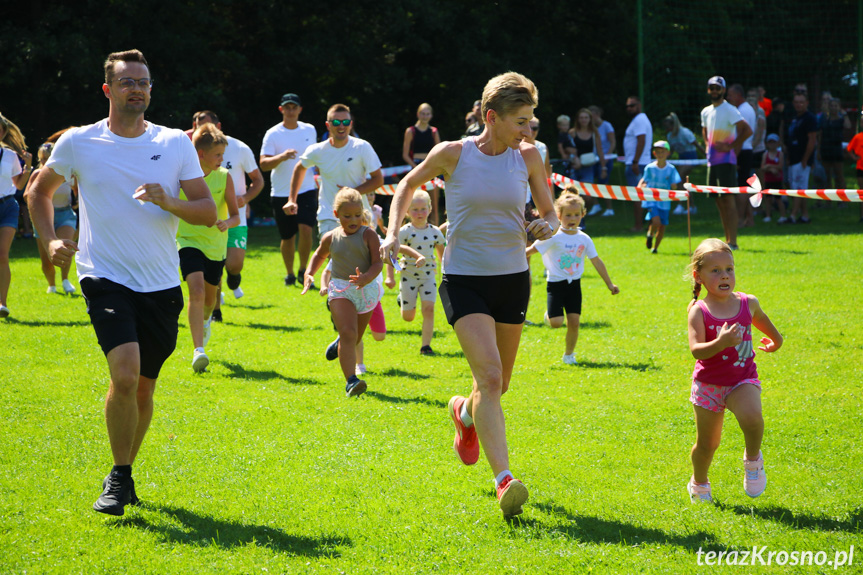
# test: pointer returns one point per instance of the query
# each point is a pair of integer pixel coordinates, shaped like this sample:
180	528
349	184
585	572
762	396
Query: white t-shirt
345	166
749	115
239	160
277	140
543	153
121	240
9	168
721	125
639	126
563	255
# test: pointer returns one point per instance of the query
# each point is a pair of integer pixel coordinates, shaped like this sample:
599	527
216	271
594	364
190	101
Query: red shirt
855	146
766	105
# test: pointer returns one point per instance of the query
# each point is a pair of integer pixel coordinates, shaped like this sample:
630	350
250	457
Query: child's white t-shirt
120	239
422	240
345	166
277	140
563	255
239	160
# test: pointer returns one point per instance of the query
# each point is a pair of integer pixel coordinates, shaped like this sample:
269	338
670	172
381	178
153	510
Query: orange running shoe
466	443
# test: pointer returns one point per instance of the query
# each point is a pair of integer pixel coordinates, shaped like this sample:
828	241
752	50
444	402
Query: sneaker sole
200	364
452	416
357	390
111	510
513	497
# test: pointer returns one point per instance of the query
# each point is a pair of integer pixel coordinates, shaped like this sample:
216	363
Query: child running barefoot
203	249
354	250
660	175
418	276
563	257
720	338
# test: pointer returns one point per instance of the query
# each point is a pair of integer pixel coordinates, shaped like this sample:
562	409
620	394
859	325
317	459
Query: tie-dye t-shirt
720	122
563	255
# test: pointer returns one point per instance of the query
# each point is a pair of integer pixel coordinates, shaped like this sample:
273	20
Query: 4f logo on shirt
228	166
349	159
156	157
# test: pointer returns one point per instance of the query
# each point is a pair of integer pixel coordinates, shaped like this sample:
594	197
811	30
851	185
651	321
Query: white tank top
485	209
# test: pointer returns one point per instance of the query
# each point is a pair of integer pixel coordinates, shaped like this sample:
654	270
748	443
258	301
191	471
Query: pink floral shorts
713	397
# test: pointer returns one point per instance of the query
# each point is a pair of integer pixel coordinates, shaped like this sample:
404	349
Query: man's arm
369	186
743	132
270	162
198	209
639	149
39	194
810	147
253	190
297	177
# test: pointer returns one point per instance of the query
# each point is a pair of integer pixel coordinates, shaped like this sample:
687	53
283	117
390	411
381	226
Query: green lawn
262	466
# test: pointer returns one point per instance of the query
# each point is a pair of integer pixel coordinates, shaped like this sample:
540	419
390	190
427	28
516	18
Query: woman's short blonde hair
507	92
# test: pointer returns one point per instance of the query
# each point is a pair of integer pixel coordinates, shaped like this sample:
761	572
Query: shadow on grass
853	524
437	403
252	305
239	372
287	328
204	530
36	323
588	529
581	325
449	353
396	372
615	364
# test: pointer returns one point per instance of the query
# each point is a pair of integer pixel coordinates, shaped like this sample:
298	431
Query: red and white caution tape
628	193
754	188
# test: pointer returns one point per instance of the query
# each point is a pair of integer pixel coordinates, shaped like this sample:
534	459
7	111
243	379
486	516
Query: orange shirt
855	146
766	104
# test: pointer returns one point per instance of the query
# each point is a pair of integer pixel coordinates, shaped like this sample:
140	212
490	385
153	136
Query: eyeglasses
534	128
340	122
129	83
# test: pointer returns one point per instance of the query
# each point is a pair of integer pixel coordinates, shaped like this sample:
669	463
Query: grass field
262	466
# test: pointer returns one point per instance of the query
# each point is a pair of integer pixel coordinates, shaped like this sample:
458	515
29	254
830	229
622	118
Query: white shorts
364	298
417	283
798	176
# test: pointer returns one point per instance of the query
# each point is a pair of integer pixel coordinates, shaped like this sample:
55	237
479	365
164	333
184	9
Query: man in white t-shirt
129	174
724	131
342	160
637	143
283	144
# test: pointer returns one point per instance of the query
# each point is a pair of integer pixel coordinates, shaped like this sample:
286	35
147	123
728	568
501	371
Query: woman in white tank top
486	277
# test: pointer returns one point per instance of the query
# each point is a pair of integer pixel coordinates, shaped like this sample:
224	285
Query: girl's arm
374	245
319	257
233	211
406	148
774	340
419	259
326	276
531	249
603	273
729	336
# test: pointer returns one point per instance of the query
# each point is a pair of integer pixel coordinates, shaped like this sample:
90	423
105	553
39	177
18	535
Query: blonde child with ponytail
725	376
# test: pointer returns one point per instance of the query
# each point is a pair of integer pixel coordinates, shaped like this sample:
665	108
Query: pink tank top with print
733	364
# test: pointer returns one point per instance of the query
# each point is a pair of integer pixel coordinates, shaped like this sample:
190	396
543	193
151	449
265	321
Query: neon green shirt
212	242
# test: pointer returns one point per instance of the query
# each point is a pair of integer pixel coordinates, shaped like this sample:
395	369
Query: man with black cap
724	131
283	145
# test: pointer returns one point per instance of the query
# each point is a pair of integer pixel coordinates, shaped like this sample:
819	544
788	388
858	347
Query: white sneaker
545	319
200	361
4	311
238	293
754	477
361	369
608	213
766	219
569	359
52	289
699	493
594	210
207	331
679	210
68	287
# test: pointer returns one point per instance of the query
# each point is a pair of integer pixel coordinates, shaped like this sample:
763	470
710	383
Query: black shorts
503	297
193	260
120	315
744	166
722	176
287	224
307	208
563	295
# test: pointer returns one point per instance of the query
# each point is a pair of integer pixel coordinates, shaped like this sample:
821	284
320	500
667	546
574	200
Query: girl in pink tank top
720	339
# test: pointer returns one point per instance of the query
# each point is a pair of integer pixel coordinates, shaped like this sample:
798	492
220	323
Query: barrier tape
396	170
754	188
700	162
629	193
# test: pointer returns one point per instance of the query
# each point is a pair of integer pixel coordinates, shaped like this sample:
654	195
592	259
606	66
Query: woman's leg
7	234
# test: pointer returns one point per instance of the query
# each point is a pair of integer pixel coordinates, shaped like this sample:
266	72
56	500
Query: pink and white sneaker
466	443
754	477
511	495
699	493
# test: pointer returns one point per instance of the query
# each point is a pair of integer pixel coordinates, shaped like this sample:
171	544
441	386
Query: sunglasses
340	122
631	105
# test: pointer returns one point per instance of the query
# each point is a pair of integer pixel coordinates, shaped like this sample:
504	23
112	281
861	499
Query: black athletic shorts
193	260
287	224
307	208
722	176
120	315
744	166
503	297
563	295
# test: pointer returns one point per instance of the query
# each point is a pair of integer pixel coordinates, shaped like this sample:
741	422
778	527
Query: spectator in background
774	119
478	126
13	176
609	144
418	141
773	168
800	147
855	150
763	101
588	146
565	145
833	127
736	97
760	129
683	142
724	131
469	119
636	151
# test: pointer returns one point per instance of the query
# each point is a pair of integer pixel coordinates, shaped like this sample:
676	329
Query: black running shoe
290	280
234	281
217	315
426	350
133	497
116	495
333	350
355	387
649	242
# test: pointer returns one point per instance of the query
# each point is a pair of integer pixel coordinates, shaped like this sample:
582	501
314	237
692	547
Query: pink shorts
712	397
378	323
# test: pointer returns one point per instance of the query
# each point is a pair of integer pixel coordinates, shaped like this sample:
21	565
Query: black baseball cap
291	99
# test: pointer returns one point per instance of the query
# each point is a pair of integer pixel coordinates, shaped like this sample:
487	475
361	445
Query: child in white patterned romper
418	279
353	292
